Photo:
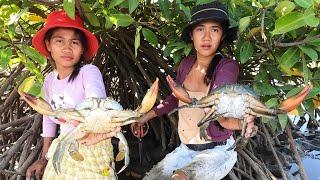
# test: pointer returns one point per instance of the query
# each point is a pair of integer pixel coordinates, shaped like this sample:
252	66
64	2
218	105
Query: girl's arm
236	124
46	144
230	123
146	117
38	167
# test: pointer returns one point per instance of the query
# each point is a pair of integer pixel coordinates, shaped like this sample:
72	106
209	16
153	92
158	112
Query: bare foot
179	175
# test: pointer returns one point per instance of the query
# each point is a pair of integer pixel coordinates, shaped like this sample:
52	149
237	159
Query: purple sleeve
93	82
227	73
48	126
171	101
166	106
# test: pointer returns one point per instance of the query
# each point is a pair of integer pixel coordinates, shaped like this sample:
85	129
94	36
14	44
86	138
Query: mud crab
95	116
235	101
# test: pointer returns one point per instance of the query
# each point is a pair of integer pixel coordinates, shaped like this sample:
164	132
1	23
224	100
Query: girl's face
65	47
207	37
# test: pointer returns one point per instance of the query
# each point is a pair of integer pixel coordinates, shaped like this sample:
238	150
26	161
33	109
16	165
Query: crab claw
150	98
293	102
38	104
178	91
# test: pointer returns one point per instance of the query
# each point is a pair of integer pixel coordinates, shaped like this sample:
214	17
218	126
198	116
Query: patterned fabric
210	164
97	163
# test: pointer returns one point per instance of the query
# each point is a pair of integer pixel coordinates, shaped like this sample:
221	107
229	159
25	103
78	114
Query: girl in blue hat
197	158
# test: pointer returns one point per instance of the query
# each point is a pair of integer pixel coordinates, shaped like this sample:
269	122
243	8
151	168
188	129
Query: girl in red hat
197	158
68	45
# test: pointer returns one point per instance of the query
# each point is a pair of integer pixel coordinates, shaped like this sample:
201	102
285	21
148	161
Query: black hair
211	68
83	41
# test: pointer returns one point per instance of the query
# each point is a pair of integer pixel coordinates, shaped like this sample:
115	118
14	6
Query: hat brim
231	33
90	51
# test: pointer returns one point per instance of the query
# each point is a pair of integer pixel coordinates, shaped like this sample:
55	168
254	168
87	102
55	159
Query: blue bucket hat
211	11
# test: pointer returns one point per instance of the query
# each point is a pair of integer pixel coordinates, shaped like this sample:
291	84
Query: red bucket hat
61	19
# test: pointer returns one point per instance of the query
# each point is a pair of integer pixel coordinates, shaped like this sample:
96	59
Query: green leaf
284	7
306	71
31	66
187	50
310	52
316	77
203	2
176	57
264	89
137	41
90	15
3	43
290	57
273	102
294	91
186	11
69	7
121	19
5	56
283	120
315	91
133	4
246	52
274	72
164	6
262	75
273	125
108	23
34	54
304	3
150	36
308	104
32	86
315	42
289	22
310	18
15	17
167	51
317	48
114	3
244	23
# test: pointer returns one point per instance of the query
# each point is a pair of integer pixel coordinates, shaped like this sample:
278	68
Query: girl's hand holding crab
89	139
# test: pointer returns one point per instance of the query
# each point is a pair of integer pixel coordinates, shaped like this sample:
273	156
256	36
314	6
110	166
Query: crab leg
195	104
61	148
265	112
208	117
123	151
208	100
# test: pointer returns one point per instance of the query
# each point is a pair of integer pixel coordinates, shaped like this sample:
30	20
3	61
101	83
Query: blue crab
235	101
95	116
